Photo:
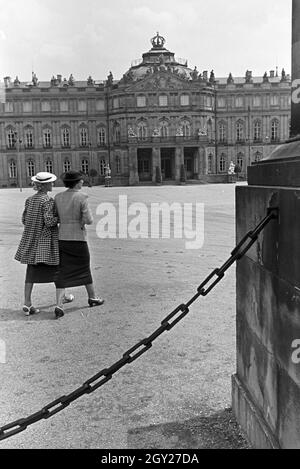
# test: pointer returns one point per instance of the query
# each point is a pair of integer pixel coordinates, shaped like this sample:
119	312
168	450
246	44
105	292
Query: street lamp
18	142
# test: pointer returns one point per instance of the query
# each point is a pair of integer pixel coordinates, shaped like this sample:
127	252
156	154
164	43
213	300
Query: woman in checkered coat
38	247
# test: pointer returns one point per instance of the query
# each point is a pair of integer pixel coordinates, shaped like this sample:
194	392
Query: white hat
43	178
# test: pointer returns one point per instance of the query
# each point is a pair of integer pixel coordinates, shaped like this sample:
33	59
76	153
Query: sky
94	37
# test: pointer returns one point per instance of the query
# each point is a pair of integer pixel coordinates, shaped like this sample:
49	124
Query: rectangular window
274	100
27	106
184	100
116	103
141	101
82	106
256	101
239	101
64	106
46	106
8	106
221	102
100	105
163	100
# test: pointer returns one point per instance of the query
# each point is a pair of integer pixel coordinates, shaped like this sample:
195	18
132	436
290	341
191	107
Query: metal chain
144	345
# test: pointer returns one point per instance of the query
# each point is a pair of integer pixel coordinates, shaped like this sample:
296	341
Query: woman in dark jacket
74	269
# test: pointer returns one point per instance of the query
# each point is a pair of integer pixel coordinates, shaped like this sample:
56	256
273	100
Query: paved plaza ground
176	395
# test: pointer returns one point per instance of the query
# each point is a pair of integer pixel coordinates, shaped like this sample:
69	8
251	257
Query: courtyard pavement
177	394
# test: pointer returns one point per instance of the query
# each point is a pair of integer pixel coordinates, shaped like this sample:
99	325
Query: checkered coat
39	242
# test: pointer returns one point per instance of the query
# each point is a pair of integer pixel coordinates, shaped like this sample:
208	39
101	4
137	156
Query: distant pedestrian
38	247
74	213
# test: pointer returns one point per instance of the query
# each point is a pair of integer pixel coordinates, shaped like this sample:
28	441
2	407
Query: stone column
156	161
133	167
179	160
295	120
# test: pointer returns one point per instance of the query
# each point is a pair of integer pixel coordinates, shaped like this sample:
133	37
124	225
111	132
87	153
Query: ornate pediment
160	81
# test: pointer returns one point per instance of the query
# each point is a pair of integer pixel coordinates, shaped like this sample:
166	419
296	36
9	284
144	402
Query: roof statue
265	78
248	76
110	79
90	81
34	79
71	81
17	81
230	79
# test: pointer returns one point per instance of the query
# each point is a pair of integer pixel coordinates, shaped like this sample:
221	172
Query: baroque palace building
160	117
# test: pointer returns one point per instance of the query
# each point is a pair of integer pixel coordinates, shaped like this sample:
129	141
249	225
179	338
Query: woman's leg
93	299
60	293
27	293
90	290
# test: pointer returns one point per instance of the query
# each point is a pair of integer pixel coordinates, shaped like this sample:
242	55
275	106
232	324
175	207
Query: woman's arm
49	213
86	213
25	212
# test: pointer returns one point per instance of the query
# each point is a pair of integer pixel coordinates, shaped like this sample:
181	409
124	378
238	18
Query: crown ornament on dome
158	41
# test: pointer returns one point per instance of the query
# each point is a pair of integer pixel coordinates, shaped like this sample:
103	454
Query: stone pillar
133	167
179	160
201	161
295	119
156	161
266	387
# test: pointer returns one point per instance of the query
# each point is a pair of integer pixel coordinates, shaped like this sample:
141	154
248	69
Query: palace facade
161	119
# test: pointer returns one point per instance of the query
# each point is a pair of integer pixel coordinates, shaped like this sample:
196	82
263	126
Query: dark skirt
74	268
41	273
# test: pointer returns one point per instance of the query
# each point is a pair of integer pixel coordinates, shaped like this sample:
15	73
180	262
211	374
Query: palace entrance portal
144	157
167	156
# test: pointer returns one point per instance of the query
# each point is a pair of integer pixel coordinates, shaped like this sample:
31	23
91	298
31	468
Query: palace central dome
158	58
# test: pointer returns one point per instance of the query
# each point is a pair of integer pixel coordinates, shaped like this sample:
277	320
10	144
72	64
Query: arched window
67	165
222	163
210	163
102	167
66	137
28	138
49	166
117	133
257	131
83	137
239	131
163	100
47	138
11	139
85	166
101	136
240	160
222	132
142	131
186	128
164	129
274	130
12	169
30	168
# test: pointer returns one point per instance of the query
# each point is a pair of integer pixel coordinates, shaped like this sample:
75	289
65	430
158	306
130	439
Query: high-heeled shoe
59	312
95	301
68	298
29	310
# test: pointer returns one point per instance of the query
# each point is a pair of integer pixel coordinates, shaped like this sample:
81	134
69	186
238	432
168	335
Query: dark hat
72	176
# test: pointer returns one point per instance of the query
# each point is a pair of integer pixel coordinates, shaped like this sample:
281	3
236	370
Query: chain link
144	345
